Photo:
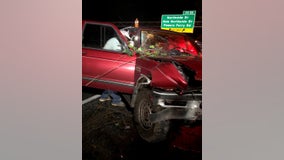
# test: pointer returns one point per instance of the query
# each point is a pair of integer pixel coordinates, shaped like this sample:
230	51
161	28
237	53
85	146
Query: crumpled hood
166	75
194	64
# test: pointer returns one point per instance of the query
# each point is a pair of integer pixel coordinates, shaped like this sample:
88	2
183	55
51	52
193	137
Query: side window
101	37
92	36
112	40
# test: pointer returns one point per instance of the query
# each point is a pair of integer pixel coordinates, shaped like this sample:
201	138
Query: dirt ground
109	134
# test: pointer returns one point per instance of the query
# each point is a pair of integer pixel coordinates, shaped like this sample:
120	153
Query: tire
150	132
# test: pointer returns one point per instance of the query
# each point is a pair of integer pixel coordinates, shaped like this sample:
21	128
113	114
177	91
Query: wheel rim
145	111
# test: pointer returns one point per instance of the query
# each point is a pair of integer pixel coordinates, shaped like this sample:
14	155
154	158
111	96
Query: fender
165	75
143	80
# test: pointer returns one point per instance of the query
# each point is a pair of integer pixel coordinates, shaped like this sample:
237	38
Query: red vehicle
159	72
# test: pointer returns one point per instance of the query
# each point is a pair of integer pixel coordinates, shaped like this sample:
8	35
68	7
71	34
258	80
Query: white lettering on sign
188	25
180	25
174	17
178	21
169	25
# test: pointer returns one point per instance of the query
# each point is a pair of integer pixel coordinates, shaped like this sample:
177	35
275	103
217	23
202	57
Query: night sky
144	10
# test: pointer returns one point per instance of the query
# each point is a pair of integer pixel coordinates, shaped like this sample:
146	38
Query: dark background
149	12
146	10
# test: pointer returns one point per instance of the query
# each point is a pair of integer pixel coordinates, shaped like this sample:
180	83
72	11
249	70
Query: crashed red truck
158	72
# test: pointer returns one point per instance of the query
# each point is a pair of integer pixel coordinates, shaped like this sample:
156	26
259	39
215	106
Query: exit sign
179	22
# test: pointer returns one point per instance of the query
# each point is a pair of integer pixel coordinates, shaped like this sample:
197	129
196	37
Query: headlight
180	70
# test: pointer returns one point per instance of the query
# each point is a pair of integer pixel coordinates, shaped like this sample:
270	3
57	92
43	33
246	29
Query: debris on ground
109	134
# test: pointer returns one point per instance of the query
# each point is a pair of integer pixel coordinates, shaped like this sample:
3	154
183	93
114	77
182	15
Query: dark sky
144	10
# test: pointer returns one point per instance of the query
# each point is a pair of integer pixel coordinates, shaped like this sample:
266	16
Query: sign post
179	22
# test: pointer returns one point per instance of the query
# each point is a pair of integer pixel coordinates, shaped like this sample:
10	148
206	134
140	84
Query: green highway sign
179	22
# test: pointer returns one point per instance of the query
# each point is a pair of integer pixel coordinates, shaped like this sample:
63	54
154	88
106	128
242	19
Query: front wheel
151	132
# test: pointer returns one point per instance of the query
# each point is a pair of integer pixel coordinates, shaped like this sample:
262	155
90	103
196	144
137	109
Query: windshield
160	43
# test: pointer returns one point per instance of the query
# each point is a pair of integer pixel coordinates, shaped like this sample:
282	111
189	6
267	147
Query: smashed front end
172	66
168	82
181	98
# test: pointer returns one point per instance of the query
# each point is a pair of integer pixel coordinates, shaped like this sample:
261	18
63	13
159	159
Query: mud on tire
151	132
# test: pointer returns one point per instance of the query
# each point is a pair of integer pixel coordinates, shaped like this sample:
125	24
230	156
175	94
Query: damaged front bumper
187	106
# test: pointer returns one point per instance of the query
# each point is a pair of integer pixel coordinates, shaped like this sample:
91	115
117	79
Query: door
103	66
